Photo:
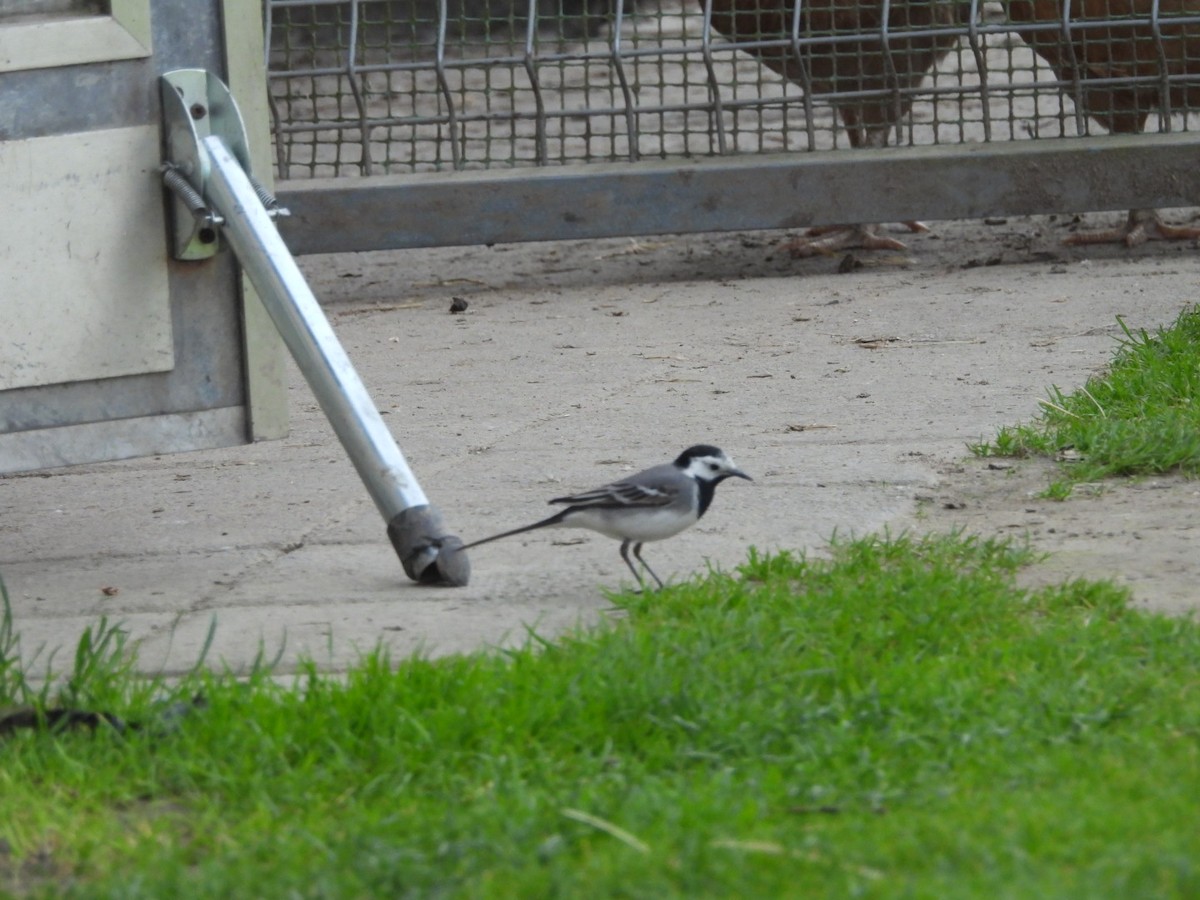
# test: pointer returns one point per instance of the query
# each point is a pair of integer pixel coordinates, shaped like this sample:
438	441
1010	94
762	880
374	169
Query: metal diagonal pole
414	527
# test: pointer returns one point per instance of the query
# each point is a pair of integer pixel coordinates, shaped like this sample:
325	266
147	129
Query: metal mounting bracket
196	105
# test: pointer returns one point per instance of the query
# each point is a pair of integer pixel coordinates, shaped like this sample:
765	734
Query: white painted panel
38	42
83	258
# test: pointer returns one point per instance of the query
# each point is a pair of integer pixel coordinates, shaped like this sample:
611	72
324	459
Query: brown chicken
1120	51
848	56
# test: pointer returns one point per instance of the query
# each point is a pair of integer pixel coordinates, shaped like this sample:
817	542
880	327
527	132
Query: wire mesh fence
360	87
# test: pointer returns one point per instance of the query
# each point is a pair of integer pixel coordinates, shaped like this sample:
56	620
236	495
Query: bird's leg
629	562
637	551
1141	226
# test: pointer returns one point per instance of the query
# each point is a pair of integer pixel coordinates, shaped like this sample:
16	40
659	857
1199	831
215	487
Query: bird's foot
1141	226
828	240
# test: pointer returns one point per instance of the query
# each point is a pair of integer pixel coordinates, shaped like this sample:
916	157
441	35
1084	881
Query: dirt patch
1140	533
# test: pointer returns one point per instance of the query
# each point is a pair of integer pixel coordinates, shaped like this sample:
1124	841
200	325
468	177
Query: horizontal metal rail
741	193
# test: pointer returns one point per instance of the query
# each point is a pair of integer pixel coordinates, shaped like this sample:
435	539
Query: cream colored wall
82	239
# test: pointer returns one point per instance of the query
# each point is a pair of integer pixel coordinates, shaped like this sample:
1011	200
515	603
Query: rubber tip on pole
428	554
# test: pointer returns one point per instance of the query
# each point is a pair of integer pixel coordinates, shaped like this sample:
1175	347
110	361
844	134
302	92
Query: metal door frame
227	385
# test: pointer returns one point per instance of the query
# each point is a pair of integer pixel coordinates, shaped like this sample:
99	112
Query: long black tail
553	520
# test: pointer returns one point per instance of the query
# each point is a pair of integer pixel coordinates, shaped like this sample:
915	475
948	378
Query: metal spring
267	199
183	189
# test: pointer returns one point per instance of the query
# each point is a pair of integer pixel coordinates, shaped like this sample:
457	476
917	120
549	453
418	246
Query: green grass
899	720
1142	417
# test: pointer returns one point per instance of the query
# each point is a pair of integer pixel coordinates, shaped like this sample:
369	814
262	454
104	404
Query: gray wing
647	490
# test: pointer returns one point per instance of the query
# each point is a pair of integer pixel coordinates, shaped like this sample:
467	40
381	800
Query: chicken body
849	55
1120	51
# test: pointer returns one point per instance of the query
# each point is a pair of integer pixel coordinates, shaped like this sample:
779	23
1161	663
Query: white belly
631	525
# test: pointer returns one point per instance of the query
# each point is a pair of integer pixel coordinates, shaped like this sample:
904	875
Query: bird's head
707	463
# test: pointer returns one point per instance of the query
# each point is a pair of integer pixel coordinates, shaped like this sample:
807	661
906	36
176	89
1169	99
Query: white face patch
710	468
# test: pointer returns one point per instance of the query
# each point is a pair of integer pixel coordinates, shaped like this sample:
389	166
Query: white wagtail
649	506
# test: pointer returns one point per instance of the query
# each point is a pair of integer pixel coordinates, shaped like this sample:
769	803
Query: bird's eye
712	467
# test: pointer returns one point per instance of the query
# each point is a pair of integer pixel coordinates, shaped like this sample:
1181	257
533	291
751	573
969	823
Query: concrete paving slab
850	398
